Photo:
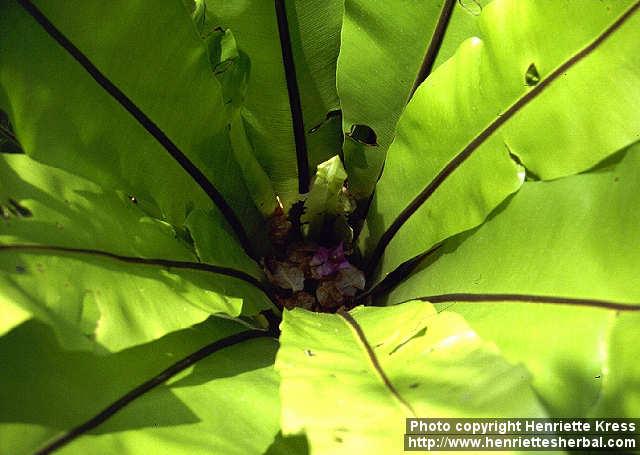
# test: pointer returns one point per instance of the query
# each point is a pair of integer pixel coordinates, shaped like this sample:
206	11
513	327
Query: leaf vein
154	130
530	298
169	263
147	386
478	140
360	335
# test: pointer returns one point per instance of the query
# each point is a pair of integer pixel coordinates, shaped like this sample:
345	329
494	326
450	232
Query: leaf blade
267	112
431	125
390	45
571	238
411	345
136	282
57	105
187	412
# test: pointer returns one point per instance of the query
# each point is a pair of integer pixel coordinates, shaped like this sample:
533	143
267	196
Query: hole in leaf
515	157
309	353
363	134
529	175
472	6
532	77
19	210
133	199
329	116
21	269
8	140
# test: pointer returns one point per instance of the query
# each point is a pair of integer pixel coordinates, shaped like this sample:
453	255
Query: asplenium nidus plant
257	227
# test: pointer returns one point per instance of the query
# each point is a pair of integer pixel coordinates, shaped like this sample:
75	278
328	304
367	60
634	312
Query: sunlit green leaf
151	161
207	408
427	364
620	396
458	142
315	35
571	238
89	296
325	198
382	48
65	118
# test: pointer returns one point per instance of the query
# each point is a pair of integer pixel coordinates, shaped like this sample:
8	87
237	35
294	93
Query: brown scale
324	285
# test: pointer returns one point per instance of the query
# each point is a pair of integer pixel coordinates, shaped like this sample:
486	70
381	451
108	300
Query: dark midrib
147	386
373	358
295	104
184	265
395	277
480	138
144	121
9	136
529	298
434	45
